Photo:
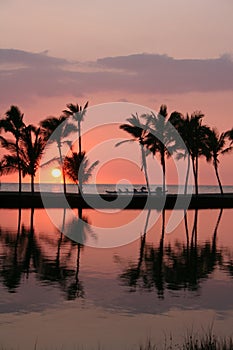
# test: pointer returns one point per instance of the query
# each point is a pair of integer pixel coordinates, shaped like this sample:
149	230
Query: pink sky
147	53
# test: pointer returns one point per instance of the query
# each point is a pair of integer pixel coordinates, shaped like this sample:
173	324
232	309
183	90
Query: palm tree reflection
24	253
174	266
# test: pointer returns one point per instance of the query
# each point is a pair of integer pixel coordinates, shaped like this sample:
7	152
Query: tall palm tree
78	169
13	123
78	112
160	138
49	126
31	147
138	131
195	137
217	146
182	126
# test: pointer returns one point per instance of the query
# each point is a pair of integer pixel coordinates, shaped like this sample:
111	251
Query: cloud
24	75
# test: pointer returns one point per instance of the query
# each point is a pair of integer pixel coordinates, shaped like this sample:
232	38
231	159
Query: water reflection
23	254
180	266
55	260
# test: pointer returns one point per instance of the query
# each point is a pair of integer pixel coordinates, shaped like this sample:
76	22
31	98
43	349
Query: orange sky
113	53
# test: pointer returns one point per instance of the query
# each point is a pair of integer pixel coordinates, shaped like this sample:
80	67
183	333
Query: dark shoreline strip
138	201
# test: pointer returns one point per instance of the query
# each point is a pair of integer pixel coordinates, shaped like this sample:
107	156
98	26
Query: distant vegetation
155	133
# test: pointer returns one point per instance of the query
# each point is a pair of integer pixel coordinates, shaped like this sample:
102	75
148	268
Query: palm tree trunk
79	137
194	231
195	174
32	221
32	183
164	170
160	283
214	239
187	176
217	175
19	166
19	221
186	228
145	167
196	181
63	171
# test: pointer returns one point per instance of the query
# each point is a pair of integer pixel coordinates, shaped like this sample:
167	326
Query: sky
174	52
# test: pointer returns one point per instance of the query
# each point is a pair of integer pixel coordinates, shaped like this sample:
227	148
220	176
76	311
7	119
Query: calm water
59	294
90	188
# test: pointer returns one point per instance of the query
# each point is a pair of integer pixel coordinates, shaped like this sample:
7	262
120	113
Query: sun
56	172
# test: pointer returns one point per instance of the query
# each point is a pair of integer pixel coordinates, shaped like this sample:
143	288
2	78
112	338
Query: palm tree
138	131
160	137
49	126
78	169
13	123
195	137
182	126
78	112
216	147
31	147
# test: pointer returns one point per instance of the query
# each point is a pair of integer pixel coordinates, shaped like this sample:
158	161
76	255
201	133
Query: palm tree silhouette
138	131
31	147
217	146
78	112
49	126
195	137
78	169
160	137
148	272
182	126
13	123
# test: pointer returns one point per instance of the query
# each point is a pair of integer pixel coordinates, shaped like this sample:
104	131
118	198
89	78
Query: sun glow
56	172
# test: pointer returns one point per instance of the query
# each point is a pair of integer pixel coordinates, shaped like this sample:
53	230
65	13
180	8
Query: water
101	188
62	295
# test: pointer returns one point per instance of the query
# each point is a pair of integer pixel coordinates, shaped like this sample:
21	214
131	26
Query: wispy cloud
25	74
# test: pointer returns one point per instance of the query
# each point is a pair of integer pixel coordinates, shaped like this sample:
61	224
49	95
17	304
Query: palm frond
122	142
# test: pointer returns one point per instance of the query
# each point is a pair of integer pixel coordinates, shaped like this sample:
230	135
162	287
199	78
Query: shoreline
15	200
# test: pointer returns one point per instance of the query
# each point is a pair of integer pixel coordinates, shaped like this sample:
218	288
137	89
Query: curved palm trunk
214	239
145	167
63	171
164	169
217	175
187	176
143	242
19	166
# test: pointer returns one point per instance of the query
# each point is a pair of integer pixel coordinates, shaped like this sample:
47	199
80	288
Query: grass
208	341
193	342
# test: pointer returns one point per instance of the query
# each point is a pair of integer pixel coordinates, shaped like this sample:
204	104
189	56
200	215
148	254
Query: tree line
155	133
28	142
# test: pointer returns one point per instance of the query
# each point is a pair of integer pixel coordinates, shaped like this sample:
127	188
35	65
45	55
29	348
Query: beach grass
207	341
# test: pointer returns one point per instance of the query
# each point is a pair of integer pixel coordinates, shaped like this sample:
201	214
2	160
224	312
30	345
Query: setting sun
56	172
